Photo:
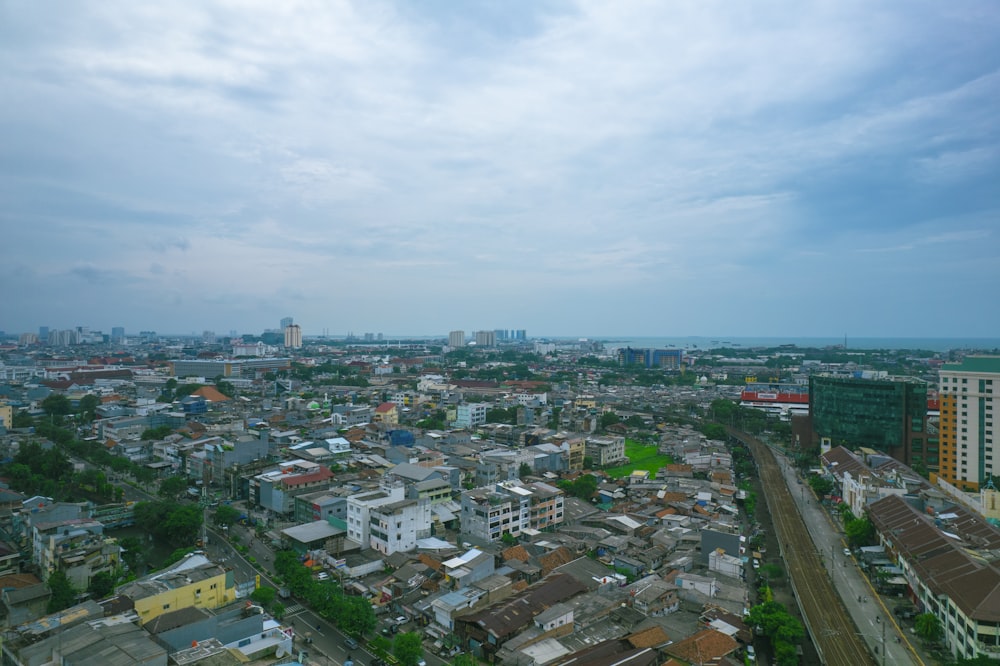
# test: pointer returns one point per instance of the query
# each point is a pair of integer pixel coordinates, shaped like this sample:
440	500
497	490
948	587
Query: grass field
641	457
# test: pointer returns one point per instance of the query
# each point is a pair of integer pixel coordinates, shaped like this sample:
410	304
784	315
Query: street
875	623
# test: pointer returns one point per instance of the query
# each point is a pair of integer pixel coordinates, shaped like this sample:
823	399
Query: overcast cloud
591	168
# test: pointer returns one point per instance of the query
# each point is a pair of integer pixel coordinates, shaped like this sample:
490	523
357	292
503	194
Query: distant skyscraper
486	339
208	337
293	336
118	334
43	333
456	339
286	322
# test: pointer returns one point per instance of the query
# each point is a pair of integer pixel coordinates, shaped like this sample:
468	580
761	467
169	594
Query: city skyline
613	169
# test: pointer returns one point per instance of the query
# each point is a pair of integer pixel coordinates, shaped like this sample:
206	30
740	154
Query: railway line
827	620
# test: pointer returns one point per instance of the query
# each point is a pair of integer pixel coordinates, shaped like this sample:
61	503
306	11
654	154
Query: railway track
827	620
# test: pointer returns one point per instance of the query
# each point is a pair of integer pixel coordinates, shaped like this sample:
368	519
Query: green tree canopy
225	515
63	592
172	487
927	626
101	585
859	532
408	648
87	409
56	405
584	486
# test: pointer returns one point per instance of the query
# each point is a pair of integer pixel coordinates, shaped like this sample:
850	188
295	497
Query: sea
705	342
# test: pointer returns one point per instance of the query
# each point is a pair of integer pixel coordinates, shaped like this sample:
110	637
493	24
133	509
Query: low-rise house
194	581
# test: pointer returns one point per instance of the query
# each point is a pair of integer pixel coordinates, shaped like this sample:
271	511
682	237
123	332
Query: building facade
470	414
396	526
293	336
969	396
604	451
456	339
360	507
670	359
510	508
889	415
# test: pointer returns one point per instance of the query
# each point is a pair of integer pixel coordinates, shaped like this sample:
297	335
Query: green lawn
642	457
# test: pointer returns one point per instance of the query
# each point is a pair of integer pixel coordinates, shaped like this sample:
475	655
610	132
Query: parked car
351	643
751	653
322	575
847	551
401	620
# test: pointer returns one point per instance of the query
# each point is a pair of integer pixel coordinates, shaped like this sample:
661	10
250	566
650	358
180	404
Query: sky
595	168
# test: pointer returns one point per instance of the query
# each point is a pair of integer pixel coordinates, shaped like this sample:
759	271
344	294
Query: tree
859	532
583	487
63	592
182	525
101	585
408	648
354	614
172	487
264	595
464	660
927	626
635	421
380	647
713	431
87	409
22	419
609	418
225	515
524	470
56	405
820	485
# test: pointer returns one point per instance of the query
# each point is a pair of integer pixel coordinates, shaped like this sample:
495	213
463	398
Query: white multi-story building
360	506
456	339
509	508
293	336
395	527
486	338
470	415
969	397
605	451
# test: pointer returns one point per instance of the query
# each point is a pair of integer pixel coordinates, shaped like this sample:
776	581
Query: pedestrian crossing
293	609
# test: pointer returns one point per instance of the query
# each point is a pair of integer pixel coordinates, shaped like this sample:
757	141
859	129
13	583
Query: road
831	628
875	622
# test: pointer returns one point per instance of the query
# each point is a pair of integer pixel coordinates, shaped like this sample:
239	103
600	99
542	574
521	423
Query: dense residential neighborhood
514	501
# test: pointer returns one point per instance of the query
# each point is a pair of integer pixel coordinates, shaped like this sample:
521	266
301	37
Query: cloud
347	156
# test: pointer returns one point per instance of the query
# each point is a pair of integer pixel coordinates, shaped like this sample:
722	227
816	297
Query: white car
751	653
322	575
847	551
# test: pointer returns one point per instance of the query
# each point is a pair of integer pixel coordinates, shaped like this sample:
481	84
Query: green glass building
889	415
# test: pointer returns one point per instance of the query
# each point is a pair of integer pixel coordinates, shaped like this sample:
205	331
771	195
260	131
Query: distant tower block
456	339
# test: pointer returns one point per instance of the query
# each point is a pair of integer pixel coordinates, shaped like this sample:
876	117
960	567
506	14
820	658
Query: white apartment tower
969	394
293	336
456	339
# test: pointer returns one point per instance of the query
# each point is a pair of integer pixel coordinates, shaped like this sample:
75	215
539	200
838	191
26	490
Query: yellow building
6	415
195	581
387	413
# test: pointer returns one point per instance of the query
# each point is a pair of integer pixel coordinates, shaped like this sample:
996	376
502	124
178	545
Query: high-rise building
286	322
969	395
118	334
43	334
651	358
293	336
486	339
888	414
456	339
